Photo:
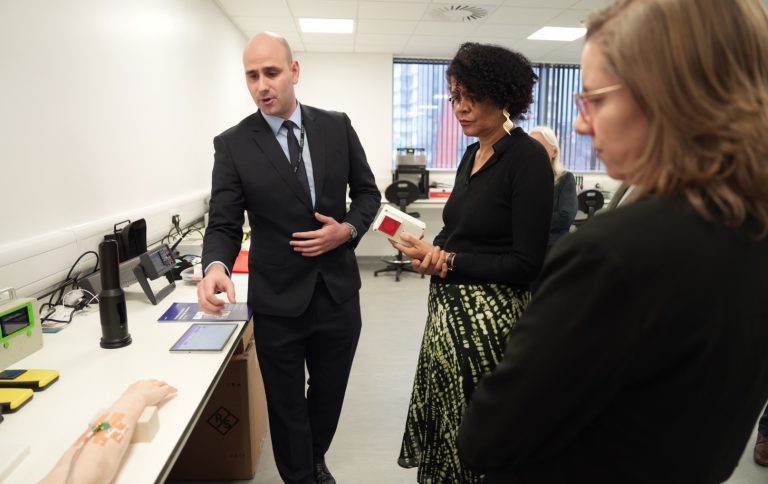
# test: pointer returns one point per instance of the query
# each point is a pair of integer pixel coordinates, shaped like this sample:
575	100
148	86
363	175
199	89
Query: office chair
590	201
401	193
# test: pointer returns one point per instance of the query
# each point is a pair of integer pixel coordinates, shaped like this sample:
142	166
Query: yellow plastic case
12	399
36	380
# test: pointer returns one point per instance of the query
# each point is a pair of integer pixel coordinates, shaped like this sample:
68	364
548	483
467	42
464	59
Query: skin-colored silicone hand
89	460
153	392
215	280
317	242
426	258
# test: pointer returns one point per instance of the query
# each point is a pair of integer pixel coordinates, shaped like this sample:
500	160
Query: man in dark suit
289	166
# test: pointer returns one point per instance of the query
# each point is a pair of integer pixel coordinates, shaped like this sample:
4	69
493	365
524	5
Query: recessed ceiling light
326	25
565	34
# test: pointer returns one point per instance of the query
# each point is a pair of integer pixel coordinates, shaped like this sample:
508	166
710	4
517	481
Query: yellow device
12	399
35	380
20	331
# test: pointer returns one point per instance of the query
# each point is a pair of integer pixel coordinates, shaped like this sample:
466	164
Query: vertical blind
422	117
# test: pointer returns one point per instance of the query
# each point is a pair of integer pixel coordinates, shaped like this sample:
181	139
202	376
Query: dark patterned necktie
294	153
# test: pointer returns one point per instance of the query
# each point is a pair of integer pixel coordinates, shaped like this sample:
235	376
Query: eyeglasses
458	97
583	99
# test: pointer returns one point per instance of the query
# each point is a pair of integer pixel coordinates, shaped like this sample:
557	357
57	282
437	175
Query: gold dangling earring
508	124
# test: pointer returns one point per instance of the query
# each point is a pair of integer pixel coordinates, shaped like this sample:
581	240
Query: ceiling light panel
561	34
328	39
570	18
327	25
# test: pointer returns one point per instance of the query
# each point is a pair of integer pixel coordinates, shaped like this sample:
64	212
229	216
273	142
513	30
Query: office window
422	117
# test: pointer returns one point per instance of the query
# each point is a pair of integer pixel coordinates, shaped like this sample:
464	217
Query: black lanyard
301	149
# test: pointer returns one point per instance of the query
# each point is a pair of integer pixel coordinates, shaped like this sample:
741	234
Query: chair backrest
590	201
401	193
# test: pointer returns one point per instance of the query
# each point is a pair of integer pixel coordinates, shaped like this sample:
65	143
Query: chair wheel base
398	265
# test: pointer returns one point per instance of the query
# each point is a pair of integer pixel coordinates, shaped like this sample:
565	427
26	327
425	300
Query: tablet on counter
205	337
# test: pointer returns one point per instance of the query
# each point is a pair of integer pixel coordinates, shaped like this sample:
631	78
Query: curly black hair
494	73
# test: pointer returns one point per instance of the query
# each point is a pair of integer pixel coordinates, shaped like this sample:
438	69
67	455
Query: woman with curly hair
642	356
496	225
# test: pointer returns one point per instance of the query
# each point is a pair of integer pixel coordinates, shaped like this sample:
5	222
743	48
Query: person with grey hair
564	205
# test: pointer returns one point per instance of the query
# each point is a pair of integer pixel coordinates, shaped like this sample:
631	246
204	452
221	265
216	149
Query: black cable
176	244
69	274
52	291
69	280
48	317
192	228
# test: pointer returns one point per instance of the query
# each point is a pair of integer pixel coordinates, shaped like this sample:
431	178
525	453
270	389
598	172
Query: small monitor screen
157	261
14	321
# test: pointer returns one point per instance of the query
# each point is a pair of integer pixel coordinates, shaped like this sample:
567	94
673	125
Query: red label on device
389	226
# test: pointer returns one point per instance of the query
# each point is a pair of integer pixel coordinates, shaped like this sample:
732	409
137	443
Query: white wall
108	109
361	86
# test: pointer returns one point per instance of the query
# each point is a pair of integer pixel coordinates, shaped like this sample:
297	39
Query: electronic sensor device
20	330
154	264
391	222
35	380
12	399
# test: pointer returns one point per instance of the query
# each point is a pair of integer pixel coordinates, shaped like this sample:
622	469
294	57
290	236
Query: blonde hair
699	71
551	138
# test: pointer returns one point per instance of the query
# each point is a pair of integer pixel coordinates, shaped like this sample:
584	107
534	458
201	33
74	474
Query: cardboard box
227	439
242	344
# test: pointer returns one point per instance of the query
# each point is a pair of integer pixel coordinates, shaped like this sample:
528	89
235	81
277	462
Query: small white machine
20	330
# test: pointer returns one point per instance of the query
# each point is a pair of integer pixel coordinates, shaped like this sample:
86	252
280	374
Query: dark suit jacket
251	172
641	358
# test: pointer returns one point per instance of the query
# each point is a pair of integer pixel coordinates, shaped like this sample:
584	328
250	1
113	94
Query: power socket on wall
176	220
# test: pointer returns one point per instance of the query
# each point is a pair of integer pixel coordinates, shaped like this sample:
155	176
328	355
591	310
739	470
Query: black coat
642	357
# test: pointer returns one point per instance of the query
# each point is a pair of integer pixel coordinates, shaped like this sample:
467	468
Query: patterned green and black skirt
466	333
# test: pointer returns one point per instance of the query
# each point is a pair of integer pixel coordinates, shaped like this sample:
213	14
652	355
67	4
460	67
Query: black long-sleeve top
497	220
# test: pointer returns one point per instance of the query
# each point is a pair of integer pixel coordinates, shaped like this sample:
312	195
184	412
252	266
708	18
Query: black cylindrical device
114	318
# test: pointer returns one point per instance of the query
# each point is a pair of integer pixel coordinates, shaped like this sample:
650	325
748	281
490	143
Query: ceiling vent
458	13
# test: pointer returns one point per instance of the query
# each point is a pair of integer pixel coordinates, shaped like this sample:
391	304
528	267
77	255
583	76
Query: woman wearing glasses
496	224
642	357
